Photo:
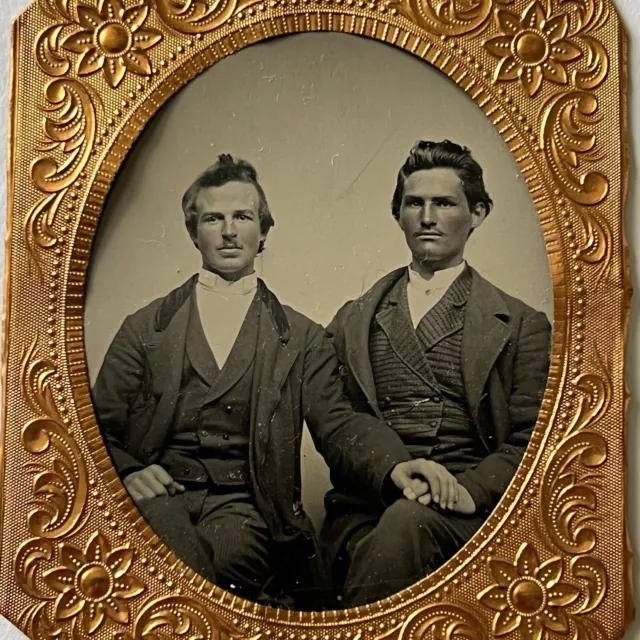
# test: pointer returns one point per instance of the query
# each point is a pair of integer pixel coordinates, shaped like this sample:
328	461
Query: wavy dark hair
433	155
226	169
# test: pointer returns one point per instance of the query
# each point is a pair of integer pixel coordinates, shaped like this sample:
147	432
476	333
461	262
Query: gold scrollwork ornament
555	56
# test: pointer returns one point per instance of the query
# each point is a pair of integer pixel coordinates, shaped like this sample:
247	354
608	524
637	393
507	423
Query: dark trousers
407	543
220	536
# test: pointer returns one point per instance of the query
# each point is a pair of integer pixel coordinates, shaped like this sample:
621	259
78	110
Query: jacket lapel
357	329
273	362
486	332
166	359
198	350
447	316
394	318
242	353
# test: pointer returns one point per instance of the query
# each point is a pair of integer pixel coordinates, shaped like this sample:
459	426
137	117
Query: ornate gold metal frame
77	559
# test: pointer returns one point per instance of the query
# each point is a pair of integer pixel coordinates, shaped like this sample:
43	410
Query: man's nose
229	229
429	215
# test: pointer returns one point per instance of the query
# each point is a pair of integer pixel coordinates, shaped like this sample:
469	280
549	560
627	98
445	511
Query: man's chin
427	258
228	268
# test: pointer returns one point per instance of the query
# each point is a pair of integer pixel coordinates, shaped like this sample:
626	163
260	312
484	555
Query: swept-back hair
433	155
226	169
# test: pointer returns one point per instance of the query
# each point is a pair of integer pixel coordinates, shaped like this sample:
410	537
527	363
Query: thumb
401	477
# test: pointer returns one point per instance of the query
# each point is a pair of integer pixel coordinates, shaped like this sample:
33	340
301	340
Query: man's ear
478	215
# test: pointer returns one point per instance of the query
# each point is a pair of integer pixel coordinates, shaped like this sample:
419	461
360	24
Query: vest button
387	400
225	436
228	408
437	398
389	423
204	434
433	424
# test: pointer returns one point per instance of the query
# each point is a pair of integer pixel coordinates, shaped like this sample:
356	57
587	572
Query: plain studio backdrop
327	120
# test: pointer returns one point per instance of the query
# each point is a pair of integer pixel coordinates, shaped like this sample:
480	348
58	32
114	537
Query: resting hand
464	505
149	483
426	481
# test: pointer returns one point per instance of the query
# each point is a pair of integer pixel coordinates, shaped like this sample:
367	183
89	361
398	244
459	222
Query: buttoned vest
211	429
418	376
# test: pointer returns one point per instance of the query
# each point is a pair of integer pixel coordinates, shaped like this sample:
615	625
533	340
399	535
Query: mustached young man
453	365
202	398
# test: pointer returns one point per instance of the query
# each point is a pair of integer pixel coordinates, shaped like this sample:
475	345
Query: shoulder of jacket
371	296
521	308
516	306
345	310
299	323
157	313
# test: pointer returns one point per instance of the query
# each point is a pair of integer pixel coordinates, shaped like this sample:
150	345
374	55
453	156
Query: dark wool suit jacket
505	363
296	379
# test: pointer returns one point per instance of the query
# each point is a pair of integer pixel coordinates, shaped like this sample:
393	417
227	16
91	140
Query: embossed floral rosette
76	558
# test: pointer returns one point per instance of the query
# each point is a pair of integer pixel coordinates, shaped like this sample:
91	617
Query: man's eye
414	203
444	203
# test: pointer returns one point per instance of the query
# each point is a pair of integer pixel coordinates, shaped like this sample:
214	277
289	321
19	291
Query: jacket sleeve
116	389
488	481
356	446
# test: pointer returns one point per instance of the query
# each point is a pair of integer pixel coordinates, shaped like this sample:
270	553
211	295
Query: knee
244	555
407	517
160	509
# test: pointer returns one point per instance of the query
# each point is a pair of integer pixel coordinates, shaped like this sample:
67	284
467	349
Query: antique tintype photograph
318	322
318	352
315	321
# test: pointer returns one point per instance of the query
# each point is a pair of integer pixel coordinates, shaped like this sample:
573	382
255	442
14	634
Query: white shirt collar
213	282
440	280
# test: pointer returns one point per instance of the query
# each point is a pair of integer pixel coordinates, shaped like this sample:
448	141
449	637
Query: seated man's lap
409	542
225	528
238	537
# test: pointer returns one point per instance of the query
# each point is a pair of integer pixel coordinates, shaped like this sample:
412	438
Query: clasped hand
429	482
151	482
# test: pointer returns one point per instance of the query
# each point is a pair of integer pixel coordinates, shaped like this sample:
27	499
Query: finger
419	487
425	499
434	484
139	486
157	487
161	475
451	490
402	479
430	474
179	487
452	493
444	490
448	481
409	493
136	496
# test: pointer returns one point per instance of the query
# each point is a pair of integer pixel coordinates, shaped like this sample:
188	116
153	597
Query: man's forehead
438	179
231	194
